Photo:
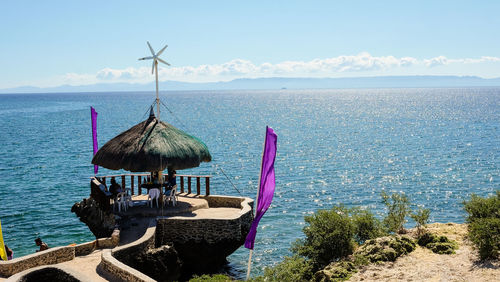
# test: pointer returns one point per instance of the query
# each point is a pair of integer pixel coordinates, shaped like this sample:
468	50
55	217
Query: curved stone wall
181	230
50	256
111	264
204	243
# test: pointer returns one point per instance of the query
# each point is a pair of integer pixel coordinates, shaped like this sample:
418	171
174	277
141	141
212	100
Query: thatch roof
152	145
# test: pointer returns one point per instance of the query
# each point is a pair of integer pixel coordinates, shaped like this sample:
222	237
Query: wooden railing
146	177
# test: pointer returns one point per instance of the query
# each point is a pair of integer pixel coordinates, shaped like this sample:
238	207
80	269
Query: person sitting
115	188
156	179
171	179
10	253
43	246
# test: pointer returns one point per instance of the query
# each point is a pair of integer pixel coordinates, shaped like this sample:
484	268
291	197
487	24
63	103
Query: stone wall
225	201
111	260
50	256
208	230
203	243
85	248
147	241
56	255
119	271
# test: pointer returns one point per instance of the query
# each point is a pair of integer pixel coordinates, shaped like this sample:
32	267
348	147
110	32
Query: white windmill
155	70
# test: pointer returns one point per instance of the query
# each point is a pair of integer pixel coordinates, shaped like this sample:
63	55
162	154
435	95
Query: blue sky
49	43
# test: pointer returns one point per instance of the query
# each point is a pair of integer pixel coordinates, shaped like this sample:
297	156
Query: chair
153	194
122	199
172	197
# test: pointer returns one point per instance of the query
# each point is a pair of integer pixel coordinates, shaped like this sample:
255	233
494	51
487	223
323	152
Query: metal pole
157	96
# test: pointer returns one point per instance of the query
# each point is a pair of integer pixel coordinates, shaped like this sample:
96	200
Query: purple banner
267	184
93	115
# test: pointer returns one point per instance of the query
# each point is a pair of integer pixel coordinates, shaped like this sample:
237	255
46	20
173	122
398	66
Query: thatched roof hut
152	145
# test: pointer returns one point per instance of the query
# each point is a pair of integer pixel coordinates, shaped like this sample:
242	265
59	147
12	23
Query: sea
335	146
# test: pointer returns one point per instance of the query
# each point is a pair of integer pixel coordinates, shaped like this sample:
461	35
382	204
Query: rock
387	248
101	223
162	264
204	257
335	271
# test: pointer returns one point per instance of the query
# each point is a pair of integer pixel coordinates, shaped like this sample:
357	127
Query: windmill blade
151	48
163	61
153	68
161	51
145	58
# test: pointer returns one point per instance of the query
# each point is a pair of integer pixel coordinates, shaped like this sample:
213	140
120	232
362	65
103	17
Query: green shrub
484	224
421	217
437	244
209	278
336	271
387	248
398	207
426	238
329	237
366	225
290	269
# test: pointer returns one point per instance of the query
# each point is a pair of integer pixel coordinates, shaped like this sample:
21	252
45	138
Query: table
156	185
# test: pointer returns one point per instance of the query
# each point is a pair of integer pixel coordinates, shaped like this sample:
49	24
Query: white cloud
437	61
347	65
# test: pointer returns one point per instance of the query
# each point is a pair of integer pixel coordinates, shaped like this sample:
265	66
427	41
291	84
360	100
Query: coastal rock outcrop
101	223
162	263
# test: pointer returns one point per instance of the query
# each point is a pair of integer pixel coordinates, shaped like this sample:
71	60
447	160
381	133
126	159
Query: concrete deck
186	203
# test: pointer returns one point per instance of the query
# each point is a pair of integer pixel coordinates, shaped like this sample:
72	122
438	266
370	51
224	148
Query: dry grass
424	265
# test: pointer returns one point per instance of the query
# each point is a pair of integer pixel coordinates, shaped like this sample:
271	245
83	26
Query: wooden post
198	185
131	185
207	186
139	189
182	184
189	184
123	182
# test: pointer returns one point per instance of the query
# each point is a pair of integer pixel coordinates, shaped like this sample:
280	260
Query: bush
439	245
387	248
484	224
208	278
398	209
329	237
366	225
290	269
336	271
421	217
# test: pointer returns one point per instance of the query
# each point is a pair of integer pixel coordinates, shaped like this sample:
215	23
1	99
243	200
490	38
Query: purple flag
267	183
93	115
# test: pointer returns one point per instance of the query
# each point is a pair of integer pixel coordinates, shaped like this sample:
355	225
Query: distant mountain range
277	83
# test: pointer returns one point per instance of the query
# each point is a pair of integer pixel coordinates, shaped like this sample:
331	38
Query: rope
172	113
229	179
148	109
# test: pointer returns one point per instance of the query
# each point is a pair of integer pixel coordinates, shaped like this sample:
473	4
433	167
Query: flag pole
93	118
256	204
